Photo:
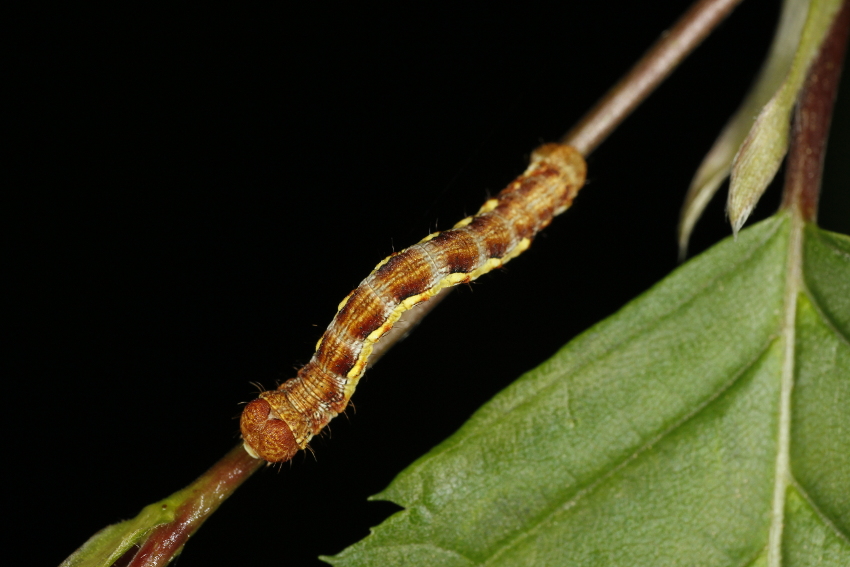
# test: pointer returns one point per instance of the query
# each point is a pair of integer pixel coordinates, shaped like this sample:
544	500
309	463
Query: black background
200	187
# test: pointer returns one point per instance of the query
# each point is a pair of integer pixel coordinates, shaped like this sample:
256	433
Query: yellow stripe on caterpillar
488	206
344	301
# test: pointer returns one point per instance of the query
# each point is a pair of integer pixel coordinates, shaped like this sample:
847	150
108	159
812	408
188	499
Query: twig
656	64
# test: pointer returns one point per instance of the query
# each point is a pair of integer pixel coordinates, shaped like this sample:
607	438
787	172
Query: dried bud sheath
281	422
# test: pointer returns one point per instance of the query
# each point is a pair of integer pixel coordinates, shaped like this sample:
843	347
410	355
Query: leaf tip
738	217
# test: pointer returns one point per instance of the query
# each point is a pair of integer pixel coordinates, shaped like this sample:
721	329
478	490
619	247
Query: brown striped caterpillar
281	422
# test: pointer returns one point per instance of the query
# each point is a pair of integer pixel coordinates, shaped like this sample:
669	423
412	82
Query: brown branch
812	119
656	64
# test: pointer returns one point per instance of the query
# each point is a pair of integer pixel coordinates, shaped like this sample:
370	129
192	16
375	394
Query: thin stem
656	64
812	119
196	503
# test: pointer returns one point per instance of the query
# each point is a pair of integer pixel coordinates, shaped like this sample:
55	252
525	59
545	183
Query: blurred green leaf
761	153
717	163
656	437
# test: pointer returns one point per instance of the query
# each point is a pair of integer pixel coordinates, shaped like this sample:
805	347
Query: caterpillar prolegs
281	422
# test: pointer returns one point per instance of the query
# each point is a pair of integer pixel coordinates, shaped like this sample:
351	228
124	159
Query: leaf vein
827	320
820	513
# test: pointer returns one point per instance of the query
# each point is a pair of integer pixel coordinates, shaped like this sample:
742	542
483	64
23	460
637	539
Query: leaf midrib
827	322
782	469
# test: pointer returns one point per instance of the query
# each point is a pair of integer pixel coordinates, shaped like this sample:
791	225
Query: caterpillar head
266	437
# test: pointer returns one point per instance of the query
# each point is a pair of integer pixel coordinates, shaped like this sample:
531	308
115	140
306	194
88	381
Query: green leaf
761	153
717	163
668	434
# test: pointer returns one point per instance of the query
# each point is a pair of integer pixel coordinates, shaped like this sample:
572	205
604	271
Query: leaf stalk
812	118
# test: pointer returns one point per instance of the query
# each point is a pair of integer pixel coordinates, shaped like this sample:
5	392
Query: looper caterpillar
281	422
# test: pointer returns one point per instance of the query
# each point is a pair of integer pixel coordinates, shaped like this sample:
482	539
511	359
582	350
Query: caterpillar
281	422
